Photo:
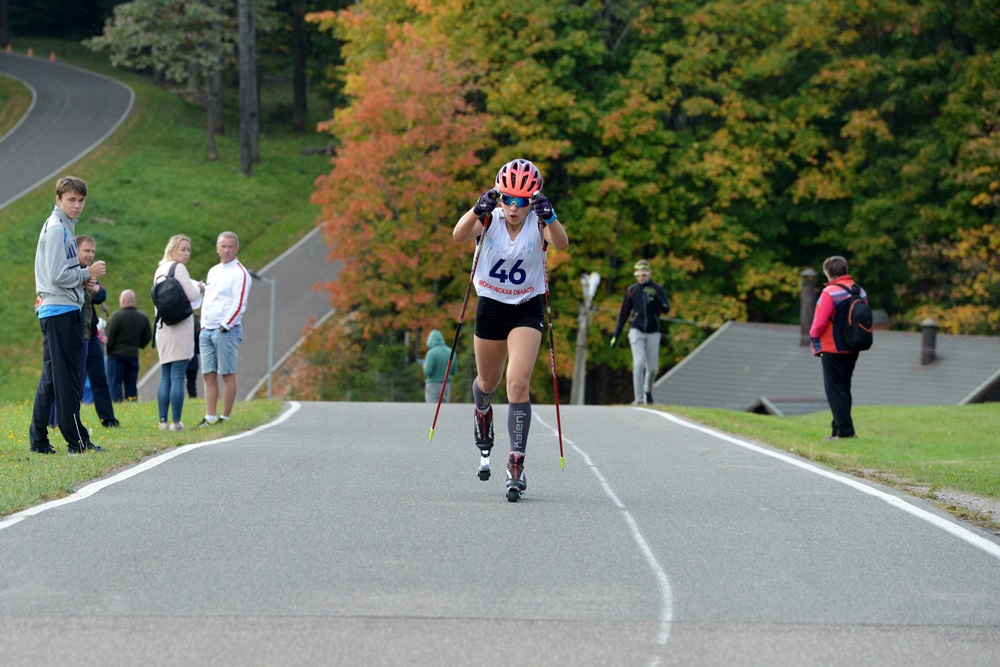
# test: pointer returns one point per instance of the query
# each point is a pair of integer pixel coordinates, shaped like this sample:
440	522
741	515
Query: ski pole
461	316
552	345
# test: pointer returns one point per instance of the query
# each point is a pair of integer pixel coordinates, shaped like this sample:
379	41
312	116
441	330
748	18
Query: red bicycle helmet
519	178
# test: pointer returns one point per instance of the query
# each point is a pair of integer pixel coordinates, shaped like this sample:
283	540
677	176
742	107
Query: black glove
487	202
543	208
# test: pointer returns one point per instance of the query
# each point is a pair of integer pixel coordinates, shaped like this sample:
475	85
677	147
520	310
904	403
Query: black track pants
838	369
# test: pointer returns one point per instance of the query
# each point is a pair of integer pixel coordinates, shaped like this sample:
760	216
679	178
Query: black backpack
171	301
857	331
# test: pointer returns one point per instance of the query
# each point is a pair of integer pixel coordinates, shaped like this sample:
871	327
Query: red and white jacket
830	316
227	288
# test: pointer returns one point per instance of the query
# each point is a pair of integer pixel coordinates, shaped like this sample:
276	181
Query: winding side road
72	111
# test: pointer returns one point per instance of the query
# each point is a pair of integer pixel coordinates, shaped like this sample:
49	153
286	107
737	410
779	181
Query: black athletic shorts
495	320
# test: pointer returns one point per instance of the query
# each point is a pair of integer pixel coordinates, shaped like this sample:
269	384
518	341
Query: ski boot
484	440
517	482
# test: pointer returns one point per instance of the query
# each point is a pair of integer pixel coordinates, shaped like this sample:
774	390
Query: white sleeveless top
510	271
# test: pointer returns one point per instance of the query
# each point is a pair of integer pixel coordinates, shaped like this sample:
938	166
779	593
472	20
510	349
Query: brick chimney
807	304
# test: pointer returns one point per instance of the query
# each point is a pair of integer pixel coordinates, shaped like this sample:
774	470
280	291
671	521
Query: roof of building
763	368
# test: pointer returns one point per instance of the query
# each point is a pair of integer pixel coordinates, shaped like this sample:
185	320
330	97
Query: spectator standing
644	302
227	288
175	342
59	286
435	365
128	332
94	365
827	343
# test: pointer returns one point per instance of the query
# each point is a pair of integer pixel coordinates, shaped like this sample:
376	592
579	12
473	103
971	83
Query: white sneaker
162	425
177	426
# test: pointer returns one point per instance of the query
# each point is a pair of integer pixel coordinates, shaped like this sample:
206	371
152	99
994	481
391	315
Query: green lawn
151	180
14	101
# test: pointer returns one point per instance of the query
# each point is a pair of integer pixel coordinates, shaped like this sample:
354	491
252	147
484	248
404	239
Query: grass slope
14	101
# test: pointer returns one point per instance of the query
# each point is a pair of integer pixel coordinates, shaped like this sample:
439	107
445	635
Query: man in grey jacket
59	284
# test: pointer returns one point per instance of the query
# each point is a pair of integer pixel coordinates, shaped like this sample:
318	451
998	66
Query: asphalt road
340	536
72	112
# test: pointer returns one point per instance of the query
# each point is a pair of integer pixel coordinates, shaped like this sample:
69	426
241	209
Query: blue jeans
171	391
123	375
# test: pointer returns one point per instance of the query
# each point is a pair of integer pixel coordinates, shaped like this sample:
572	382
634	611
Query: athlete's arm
468	227
555	235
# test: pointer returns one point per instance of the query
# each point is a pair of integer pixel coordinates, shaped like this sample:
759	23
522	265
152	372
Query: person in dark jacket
129	331
838	360
94	367
645	301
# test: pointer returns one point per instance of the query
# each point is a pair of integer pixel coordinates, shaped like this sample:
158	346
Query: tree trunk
300	105
213	152
216	99
4	23
249	98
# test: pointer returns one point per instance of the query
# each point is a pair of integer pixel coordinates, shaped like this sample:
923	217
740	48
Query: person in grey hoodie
435	364
59	284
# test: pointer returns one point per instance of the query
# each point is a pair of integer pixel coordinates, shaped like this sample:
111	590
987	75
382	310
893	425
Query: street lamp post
270	330
590	281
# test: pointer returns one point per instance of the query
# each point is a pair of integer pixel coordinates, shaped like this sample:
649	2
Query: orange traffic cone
8	48
31	52
52	56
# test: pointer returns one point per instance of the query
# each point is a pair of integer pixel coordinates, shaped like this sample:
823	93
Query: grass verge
926	451
14	101
28	479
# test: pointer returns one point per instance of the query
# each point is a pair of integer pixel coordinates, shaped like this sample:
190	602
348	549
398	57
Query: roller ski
483	432
517	482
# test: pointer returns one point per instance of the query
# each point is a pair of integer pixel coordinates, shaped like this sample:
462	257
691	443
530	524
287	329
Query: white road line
964	534
148	464
666	595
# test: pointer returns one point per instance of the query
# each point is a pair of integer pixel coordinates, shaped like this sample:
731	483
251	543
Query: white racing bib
510	271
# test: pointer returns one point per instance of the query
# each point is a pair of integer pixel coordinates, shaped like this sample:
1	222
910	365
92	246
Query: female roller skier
510	318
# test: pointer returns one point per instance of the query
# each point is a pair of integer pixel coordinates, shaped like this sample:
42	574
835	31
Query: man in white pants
645	301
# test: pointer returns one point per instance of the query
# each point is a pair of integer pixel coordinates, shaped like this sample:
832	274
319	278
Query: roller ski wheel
517	482
484	465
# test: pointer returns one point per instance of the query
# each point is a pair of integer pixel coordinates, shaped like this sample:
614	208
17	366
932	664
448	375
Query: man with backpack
840	330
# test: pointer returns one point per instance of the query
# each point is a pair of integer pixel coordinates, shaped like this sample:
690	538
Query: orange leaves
397	184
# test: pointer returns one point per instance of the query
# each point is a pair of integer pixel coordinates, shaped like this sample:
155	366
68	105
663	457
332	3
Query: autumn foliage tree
731	143
398	183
